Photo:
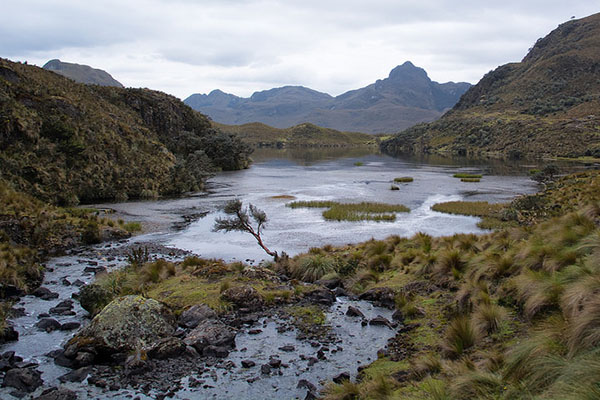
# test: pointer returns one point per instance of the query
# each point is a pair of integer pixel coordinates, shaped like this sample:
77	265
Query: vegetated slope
66	142
404	98
547	104
82	73
303	135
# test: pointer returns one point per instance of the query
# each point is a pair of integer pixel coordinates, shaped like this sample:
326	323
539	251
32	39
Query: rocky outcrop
191	317
127	324
380	296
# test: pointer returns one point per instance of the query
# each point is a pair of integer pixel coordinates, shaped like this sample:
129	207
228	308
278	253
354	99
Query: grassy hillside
66	142
546	105
303	135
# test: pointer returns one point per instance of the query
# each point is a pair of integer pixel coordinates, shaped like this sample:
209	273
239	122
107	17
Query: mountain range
546	105
82	73
406	97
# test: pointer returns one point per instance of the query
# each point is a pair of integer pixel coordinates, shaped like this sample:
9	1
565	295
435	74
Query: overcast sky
242	46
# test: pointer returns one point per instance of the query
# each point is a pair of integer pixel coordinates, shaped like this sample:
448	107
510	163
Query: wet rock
329	283
354	312
94	270
380	296
17	312
215	351
44	293
265	369
48	324
210	333
344	376
93	298
380	321
244	297
303	383
84	358
10	291
24	379
321	355
191	317
43	315
287	348
339	292
312	361
248	363
77	375
62	311
167	348
321	296
126	324
275	363
78	283
310	396
254	331
70	326
57	394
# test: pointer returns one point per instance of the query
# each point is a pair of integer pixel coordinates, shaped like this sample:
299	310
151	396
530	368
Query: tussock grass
313	267
404	179
346	390
474	208
487	318
428	364
460	336
364	211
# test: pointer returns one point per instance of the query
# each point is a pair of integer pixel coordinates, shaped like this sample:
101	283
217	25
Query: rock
94	270
287	348
354	312
329	283
215	351
244	297
398	315
65	304
339	292
275	363
77	375
48	324
210	333
312	361
17	312
65	282
24	379
380	321
321	296
70	326
44	293
78	283
57	394
303	383
167	348
380	296
344	376
61	311
84	358
93	298
10	291
265	369
248	363
310	396
9	334
254	331
126	324
191	317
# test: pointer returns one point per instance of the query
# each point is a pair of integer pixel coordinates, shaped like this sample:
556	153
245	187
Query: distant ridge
82	73
546	105
406	97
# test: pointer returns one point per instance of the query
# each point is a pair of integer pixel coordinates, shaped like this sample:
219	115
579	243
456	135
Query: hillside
406	97
66	142
303	135
546	105
82	73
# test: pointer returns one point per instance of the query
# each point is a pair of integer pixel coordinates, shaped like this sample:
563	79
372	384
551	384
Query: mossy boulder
93	298
127	324
243	297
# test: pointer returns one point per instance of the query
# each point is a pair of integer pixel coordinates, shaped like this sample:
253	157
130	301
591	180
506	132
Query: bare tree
240	221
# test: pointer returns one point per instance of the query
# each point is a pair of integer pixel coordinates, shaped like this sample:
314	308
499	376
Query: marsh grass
364	211
470	180
474	208
404	179
467	176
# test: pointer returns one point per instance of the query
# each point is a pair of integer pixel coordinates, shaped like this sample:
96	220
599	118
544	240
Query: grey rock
48	324
57	394
191	317
24	379
344	376
354	312
210	333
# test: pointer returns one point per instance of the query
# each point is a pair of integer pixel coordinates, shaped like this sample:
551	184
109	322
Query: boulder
24	379
330	283
321	296
354	312
210	333
57	394
8	334
127	324
380	296
44	293
48	324
167	348
344	376
191	317
244	296
93	298
248	363
380	321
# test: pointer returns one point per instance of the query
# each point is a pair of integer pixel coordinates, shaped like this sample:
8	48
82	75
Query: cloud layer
241	46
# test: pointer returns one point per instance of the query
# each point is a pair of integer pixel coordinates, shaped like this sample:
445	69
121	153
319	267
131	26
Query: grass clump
359	164
313	267
471	180
132	226
364	211
467	176
460	336
404	179
473	208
